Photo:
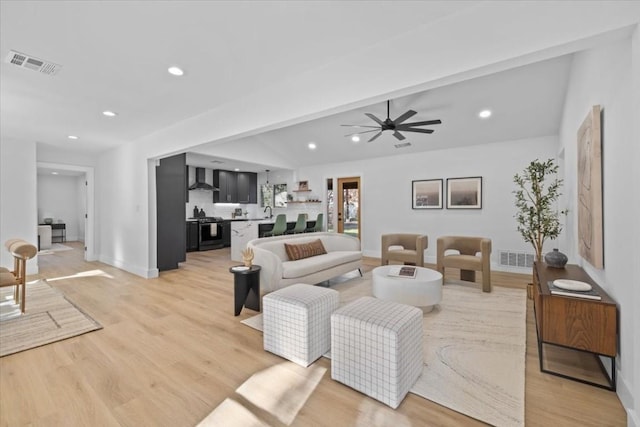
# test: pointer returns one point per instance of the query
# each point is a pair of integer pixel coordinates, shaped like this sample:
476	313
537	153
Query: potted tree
538	190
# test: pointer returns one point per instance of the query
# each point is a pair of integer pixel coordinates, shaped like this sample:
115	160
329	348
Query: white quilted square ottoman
297	322
376	348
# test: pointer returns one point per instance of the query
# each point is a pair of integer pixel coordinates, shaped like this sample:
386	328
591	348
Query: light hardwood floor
171	352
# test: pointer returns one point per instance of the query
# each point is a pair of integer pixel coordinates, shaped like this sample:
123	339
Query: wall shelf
301	191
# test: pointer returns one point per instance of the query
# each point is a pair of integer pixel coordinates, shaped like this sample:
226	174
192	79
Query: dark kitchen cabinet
247	187
226	182
192	236
171	195
235	187
226	233
186	174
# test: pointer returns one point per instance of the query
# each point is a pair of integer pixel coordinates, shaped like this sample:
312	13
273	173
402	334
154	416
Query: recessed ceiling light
484	114
355	138
175	71
54	173
109	113
72	137
312	146
236	169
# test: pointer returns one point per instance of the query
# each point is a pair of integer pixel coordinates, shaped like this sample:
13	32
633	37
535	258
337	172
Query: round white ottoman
424	290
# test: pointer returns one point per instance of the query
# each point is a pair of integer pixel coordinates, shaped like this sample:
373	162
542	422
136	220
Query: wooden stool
21	251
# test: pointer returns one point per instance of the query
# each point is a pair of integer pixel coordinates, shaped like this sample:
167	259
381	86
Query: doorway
348	206
84	205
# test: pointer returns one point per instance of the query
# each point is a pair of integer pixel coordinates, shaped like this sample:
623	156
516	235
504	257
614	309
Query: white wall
81	205
123	217
59	196
634	414
606	76
18	218
386	192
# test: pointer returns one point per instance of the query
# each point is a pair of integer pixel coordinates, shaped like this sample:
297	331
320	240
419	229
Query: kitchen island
242	231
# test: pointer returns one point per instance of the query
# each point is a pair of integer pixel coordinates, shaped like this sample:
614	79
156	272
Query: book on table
403	271
590	294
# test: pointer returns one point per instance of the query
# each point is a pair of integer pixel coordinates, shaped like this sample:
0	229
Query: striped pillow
304	250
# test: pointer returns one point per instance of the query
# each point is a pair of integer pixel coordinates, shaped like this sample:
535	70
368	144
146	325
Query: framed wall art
590	232
464	193
427	194
280	195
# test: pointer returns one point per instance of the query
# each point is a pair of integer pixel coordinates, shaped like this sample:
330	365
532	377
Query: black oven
210	234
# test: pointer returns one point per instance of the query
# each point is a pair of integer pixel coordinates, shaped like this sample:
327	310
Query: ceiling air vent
35	64
402	145
218	162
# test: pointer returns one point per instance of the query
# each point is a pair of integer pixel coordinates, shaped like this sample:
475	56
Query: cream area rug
474	349
49	317
55	247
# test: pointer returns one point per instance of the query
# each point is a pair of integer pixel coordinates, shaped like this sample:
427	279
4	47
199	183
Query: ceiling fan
394	125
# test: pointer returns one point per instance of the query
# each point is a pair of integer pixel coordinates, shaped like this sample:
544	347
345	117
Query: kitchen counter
244	230
241	233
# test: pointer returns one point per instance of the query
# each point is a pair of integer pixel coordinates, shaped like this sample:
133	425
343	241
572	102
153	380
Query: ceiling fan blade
404	117
375	136
418	130
425	123
398	135
361	126
366	131
374	118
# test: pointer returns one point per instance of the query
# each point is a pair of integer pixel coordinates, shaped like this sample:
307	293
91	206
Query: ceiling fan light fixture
396	127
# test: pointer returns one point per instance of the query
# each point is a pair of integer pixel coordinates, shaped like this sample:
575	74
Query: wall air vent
31	63
402	145
516	259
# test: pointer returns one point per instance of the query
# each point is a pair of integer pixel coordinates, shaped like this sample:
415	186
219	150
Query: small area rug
474	349
55	247
49	317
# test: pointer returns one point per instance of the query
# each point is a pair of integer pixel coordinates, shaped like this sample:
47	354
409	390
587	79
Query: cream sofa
343	255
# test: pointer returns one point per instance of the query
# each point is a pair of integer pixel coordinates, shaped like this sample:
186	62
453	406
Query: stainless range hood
200	183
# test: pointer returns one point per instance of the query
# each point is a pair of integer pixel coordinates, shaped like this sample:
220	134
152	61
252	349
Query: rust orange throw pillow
304	250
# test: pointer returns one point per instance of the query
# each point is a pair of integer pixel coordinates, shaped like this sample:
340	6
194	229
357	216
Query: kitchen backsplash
202	199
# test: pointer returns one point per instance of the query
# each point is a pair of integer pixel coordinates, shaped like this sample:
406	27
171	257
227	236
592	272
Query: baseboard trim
138	271
627	399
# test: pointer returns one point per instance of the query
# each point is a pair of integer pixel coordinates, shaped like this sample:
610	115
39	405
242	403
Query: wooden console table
580	324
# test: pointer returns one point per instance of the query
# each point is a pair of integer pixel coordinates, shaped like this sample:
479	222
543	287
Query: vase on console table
555	259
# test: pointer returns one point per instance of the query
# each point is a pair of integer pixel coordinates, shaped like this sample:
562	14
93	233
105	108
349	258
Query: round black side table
246	287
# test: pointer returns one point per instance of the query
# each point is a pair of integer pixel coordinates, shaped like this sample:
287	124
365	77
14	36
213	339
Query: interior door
348	206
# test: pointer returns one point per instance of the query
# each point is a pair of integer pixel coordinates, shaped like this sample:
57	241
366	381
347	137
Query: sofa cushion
307	266
304	250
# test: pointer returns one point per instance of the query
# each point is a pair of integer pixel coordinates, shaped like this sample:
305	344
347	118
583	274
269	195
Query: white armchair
44	237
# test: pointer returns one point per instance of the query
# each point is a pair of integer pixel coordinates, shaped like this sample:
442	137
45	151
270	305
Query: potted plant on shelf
538	190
